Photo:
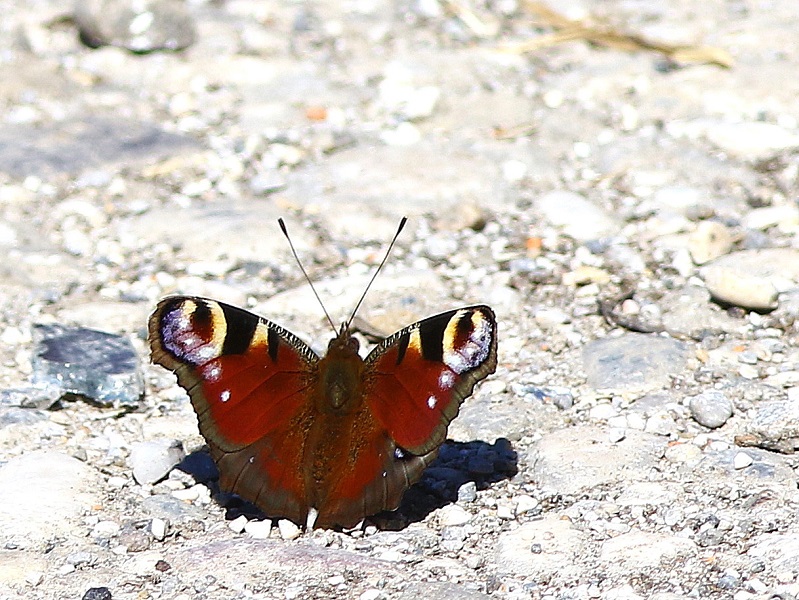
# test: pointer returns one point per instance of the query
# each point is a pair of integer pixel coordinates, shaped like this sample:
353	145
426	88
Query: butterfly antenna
380	266
304	272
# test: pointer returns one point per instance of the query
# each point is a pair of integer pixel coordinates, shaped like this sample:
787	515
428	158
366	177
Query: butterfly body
340	436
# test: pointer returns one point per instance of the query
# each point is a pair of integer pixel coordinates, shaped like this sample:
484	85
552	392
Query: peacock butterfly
324	441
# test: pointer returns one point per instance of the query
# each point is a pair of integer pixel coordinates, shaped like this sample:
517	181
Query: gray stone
560	207
97	593
172	510
775	425
582	457
467	492
753	141
13	415
642	549
753	278
781	550
541	549
709	240
689	312
440	590
711	408
152	461
89	143
34	396
138	26
97	365
488	419
315	563
633	362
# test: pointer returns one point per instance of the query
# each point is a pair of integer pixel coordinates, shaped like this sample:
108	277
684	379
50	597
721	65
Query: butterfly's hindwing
418	377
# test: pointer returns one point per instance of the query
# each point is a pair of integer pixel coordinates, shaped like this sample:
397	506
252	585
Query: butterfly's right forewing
248	380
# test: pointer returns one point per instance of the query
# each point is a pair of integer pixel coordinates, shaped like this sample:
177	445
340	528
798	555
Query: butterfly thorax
340	382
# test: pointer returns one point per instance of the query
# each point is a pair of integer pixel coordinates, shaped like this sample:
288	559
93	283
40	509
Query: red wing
418	377
369	473
248	380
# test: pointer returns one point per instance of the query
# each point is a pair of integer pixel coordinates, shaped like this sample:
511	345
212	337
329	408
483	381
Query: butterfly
322	441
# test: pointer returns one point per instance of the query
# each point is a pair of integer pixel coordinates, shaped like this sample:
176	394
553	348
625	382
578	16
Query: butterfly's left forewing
247	379
413	385
417	378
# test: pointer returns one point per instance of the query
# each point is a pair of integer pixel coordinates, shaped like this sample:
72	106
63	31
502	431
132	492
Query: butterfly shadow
447	480
442	483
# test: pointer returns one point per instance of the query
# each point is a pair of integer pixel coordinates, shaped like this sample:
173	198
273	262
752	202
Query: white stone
158	528
188	494
742	460
752	141
106	529
259	529
238	524
505	512
525	503
288	530
151	461
453	515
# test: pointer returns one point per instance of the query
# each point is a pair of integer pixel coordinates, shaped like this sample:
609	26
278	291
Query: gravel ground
631	216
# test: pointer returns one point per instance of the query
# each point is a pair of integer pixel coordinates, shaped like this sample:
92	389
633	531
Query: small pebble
711	408
288	530
683	453
747	357
238	524
152	461
117	482
748	372
453	515
158	528
525	503
710	240
106	529
616	435
742	460
549	318
97	593
505	512
514	171
467	492
602	412
739	289
188	494
259	529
